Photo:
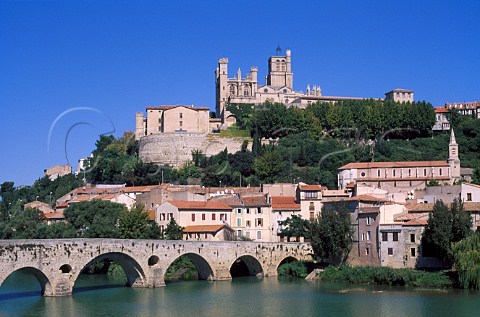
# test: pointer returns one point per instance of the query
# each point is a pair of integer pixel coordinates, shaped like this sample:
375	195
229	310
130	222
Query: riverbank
386	276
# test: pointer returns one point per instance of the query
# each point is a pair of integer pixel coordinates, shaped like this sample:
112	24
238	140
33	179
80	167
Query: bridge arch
133	270
204	269
43	280
246	265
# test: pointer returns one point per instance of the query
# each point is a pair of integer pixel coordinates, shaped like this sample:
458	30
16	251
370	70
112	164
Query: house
282	207
221	232
441	119
56	171
256	216
190	213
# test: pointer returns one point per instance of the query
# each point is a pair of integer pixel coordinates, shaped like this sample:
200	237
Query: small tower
453	160
221	87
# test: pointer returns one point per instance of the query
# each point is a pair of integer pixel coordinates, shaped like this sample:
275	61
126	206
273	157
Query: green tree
134	224
95	219
60	230
173	231
24	225
438	232
461	221
295	227
332	233
466	256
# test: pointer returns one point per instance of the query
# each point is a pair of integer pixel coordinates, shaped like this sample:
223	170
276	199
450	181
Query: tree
95	219
173	231
332	233
461	221
24	225
134	224
438	232
466	256
295	227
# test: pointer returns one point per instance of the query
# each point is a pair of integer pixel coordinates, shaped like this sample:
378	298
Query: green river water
101	295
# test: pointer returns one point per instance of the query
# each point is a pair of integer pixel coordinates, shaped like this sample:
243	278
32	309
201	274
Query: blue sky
77	69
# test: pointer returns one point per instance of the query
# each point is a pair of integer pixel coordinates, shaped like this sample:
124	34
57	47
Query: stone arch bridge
56	264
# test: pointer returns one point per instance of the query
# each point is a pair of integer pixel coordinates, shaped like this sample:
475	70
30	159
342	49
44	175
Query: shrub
296	269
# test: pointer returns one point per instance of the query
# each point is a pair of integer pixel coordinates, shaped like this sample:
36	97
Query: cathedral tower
221	81
280	71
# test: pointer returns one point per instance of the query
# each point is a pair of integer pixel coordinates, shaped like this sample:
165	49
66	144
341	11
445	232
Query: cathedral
278	88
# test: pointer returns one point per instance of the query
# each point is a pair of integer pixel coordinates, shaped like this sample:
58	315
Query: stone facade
176	148
278	88
57	263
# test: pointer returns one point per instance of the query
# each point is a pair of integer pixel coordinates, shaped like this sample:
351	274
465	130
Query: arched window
232	90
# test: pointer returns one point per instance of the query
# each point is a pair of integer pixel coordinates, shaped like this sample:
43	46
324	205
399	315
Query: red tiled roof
365	198
54	215
385	179
394	164
200	205
139	189
426	207
284	203
441	110
416	222
205	228
311	187
255	201
230	200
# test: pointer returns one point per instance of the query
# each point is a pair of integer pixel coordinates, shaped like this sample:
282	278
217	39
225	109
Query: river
101	295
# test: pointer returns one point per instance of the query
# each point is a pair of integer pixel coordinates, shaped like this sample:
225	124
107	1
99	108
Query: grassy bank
385	276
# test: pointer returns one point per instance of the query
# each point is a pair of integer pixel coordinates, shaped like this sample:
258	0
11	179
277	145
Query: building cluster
389	204
443	115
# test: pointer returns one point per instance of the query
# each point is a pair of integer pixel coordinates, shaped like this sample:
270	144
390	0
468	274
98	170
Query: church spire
452	137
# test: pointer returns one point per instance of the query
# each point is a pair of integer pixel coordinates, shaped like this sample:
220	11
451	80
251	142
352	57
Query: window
239	210
193	217
247	211
239	233
369	236
395	236
223	217
239	222
259	210
258	222
312	215
412	237
469	196
368	221
393	173
384	236
181	123
259	235
248	223
180	115
367	251
390	251
203	216
363	174
378	173
213	216
440	172
363	236
409	172
311	207
311	194
413	252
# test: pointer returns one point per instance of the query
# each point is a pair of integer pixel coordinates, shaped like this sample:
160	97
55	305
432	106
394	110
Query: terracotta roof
334	193
199	205
62	205
350	185
284	203
394	164
385	179
206	228
410	216
365	198
255	201
54	215
441	110
138	189
311	187
416	222
426	207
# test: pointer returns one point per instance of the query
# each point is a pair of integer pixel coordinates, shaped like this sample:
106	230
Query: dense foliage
385	276
466	254
445	225
294	268
332	233
295	227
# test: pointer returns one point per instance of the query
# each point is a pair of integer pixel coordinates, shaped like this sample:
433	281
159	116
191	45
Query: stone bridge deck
57	263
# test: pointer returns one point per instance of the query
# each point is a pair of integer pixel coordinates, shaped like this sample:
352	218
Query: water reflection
97	295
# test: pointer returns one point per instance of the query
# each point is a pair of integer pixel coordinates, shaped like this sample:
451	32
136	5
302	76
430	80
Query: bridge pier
61	285
156	278
221	274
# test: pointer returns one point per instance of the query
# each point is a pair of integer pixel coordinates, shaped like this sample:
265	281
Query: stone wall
176	148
